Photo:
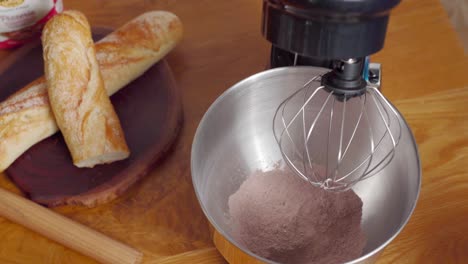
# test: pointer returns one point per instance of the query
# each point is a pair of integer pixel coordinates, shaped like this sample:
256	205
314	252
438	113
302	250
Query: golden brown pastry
79	101
124	55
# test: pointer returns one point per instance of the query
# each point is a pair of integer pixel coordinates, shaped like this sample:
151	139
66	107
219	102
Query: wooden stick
65	231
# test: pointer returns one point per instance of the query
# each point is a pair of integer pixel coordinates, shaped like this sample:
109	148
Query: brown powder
278	216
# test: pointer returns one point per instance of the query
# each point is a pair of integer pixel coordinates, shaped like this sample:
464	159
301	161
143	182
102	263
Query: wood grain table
424	73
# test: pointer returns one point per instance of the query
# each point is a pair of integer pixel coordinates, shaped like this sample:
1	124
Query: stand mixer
343	109
331	123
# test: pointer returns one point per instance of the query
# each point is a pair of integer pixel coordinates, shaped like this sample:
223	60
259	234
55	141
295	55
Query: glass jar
22	20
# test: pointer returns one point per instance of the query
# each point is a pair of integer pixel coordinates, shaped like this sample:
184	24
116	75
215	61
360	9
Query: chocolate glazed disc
150	113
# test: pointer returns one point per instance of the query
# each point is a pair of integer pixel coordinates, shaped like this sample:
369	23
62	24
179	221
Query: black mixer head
335	34
327	29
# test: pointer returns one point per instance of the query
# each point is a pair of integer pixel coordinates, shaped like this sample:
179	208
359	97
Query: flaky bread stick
124	55
80	104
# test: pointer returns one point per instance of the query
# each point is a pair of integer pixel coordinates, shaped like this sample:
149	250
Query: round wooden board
150	113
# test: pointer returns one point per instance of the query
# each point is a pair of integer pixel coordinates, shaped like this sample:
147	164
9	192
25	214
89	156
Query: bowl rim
267	74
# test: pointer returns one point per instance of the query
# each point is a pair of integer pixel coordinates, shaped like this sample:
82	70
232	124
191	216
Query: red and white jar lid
23	20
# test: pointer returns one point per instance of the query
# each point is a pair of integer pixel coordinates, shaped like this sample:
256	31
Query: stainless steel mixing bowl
235	138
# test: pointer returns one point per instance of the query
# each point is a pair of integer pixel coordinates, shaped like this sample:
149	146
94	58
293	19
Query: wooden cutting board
150	113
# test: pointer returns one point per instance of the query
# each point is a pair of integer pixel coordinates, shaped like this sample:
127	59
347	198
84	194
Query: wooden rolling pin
66	231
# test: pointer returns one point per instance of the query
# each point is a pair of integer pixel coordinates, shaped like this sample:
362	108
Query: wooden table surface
424	73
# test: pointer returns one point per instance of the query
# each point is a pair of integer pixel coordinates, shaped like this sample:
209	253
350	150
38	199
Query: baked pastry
26	117
82	110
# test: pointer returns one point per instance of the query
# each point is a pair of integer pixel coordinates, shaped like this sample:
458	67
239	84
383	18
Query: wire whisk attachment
333	140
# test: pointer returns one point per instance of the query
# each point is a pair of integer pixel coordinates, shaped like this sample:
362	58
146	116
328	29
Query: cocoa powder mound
280	217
